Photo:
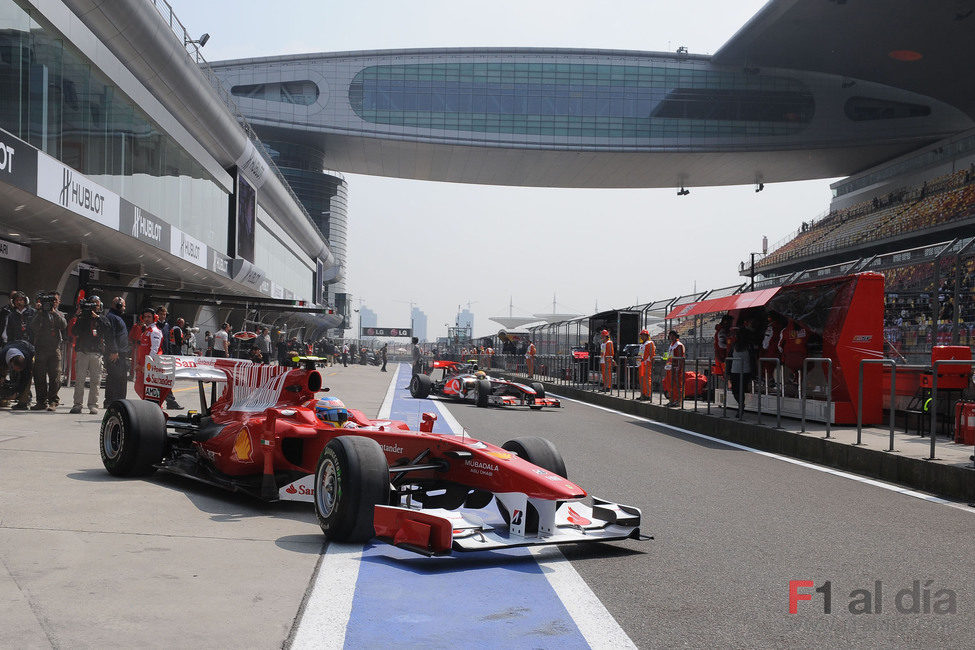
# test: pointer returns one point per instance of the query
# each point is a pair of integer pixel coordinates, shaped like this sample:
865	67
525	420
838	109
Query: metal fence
763	396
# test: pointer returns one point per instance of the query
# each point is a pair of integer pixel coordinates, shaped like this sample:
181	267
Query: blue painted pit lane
471	600
411	410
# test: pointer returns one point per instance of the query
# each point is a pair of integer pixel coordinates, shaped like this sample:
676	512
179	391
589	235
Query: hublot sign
18	162
144	225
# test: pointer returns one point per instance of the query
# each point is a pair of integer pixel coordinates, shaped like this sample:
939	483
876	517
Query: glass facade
55	99
662	100
288	92
282	262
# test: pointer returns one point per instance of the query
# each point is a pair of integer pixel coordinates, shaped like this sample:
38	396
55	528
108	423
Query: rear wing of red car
251	387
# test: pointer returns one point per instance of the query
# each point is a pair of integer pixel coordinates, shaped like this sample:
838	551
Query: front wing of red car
439	532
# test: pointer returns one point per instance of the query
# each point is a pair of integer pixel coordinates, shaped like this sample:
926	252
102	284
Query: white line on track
448	417
329	604
794	461
594	621
387	406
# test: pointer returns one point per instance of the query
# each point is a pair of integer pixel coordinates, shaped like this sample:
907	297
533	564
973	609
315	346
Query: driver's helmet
331	410
472	363
480	374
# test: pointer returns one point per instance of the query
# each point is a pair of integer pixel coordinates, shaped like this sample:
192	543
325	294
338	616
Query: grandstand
924	213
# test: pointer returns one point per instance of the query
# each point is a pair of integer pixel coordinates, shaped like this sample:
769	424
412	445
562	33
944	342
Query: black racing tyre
482	392
352	477
538	388
420	386
132	439
537	451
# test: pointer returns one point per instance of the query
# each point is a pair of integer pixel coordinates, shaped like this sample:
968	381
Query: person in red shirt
149	343
647	352
793	347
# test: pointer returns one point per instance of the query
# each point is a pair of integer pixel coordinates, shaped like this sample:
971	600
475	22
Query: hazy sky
442	245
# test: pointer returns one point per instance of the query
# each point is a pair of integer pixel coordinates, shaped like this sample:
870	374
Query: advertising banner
218	263
188	248
60	184
12	251
18	162
396	332
144	226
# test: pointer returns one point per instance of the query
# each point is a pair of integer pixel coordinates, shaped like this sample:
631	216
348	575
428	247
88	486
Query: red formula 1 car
268	435
463	381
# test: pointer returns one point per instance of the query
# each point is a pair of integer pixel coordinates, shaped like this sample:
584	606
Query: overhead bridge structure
754	112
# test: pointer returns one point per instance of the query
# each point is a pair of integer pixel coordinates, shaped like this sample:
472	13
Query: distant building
368	318
466	319
419	324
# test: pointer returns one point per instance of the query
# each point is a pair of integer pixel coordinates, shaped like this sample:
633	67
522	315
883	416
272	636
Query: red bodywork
262	436
286	436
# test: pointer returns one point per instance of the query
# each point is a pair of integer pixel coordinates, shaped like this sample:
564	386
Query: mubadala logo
74	193
145	227
476	464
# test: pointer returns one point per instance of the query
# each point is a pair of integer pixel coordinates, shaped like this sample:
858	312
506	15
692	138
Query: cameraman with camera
91	331
48	328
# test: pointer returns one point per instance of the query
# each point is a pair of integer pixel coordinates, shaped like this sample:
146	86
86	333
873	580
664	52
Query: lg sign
404	332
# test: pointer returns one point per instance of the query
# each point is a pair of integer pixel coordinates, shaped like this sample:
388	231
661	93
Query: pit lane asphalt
90	560
732	528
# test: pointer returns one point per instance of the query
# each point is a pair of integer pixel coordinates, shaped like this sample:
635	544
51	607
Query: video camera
87	305
47	300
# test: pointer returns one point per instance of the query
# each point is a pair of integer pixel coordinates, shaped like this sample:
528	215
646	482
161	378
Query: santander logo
577	519
291	489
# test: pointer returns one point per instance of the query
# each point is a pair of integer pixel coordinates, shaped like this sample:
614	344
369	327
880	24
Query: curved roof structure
804	90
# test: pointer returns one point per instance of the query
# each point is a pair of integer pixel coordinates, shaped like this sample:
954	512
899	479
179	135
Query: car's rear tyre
538	388
420	386
352	477
540	452
132	438
482	392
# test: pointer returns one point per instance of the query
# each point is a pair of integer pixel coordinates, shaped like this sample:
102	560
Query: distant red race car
463	381
269	436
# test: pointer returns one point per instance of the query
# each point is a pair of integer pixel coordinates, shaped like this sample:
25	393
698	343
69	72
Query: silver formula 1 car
463	381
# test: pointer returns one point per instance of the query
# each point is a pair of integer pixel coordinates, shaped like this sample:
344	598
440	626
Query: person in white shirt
221	341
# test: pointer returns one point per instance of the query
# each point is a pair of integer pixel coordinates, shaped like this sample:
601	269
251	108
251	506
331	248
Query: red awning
728	303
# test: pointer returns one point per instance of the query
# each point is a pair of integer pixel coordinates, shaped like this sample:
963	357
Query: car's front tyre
352	477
